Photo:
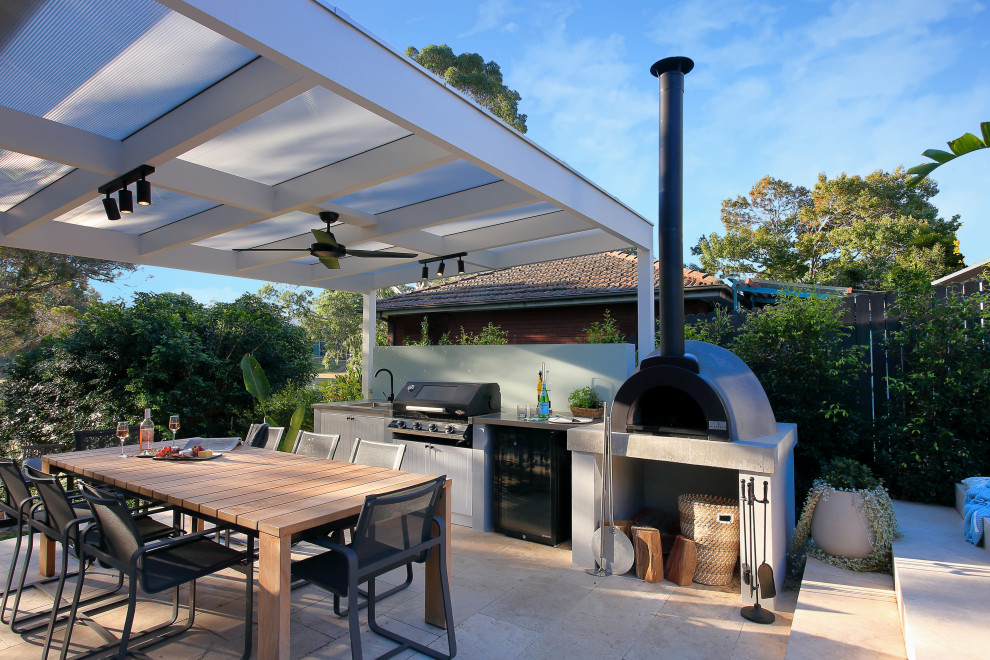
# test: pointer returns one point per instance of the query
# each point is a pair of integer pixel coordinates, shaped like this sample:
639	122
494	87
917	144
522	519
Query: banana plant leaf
295	423
255	380
963	144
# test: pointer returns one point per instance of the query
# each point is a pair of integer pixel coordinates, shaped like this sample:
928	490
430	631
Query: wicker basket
590	413
713	524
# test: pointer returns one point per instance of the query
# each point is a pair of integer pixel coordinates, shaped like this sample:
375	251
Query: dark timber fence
872	319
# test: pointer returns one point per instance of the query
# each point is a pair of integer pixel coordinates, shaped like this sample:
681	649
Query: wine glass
122	432
173	425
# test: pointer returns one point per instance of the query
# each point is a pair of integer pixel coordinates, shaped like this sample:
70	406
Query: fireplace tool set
759	579
613	550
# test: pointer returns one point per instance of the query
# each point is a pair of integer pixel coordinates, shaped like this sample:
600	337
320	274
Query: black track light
126	201
440	269
110	205
143	192
426	270
460	266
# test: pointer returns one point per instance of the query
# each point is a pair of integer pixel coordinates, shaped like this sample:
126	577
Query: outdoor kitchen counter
365	407
764	455
510	419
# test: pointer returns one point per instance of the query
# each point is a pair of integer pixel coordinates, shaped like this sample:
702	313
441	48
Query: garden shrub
936	426
163	351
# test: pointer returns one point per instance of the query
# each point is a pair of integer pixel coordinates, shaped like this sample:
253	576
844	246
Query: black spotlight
110	205
143	192
440	268
460	266
126	200
426	269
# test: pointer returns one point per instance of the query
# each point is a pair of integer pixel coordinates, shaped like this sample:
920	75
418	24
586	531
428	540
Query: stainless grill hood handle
426	409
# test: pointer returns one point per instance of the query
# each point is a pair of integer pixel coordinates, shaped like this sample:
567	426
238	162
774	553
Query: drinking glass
122	433
173	425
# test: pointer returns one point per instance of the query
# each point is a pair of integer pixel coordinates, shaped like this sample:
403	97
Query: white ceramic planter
839	526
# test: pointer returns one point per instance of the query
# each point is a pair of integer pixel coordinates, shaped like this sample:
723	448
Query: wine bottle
147	433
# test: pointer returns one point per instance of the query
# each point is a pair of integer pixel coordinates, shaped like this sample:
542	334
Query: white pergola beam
252	90
50	140
439	114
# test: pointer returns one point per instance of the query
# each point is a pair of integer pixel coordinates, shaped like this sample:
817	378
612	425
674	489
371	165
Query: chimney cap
667	64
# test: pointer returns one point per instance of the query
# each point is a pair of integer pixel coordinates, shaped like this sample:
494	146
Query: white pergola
256	115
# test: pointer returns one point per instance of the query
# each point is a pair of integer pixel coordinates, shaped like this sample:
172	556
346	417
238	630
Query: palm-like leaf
964	144
255	380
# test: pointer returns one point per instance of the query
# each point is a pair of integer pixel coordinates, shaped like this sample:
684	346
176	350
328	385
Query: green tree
761	233
963	144
867	232
165	352
41	291
331	317
480	80
605	331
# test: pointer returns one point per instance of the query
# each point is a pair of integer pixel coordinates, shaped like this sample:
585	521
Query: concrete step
844	615
942	584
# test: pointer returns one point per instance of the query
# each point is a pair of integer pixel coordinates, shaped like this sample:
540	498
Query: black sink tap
391	383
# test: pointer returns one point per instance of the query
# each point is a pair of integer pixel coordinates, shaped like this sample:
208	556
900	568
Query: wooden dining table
273	494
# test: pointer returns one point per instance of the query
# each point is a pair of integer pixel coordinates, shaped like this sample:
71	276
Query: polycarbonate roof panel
110	68
166	207
261	233
419	187
311	131
491	219
24	175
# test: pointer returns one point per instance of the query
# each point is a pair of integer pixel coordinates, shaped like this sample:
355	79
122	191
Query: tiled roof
605	273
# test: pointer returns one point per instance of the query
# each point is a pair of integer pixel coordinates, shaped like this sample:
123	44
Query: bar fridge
532	483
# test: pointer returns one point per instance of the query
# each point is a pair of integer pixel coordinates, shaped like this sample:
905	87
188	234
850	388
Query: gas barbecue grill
440	411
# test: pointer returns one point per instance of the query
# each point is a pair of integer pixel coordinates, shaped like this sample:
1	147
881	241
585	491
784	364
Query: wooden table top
272	492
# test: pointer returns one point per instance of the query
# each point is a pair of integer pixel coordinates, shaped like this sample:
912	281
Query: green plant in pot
586	402
848	518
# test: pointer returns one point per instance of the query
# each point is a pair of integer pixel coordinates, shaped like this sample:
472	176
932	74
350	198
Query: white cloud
494	15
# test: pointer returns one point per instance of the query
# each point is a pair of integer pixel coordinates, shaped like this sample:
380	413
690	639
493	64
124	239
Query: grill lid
720	399
447	399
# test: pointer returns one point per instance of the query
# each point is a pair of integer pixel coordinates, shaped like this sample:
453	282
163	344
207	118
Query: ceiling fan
328	250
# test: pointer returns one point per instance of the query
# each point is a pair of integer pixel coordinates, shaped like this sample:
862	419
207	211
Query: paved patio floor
512	599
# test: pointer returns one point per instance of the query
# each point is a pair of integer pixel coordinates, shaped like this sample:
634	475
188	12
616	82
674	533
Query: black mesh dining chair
66	523
156	567
377	454
394	530
317	445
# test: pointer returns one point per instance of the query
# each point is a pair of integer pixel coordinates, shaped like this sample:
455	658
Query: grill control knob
417	426
400	424
433	428
449	429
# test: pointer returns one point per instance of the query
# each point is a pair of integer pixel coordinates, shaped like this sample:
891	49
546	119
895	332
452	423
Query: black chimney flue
671	71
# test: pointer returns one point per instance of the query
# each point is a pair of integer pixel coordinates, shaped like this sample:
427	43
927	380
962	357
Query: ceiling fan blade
324	237
271	249
330	262
371	253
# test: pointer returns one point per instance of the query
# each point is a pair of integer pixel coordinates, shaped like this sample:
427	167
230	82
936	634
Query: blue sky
790	89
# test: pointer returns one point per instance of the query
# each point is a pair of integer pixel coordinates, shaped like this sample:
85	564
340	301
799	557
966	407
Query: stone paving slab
943	584
843	614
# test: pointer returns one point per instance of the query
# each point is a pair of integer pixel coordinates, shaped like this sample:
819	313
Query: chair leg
20	585
248	598
57	601
353	618
76	597
125	633
10	576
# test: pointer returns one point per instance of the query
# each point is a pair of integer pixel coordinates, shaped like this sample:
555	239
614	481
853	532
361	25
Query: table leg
434	592
274	596
46	551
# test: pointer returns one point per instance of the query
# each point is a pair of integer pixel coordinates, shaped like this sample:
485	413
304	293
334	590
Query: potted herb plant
849	518
586	402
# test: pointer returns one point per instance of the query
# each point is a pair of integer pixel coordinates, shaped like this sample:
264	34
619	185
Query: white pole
646	323
368	340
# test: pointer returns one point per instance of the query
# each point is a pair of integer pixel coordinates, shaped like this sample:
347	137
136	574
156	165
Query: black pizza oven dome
708	393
